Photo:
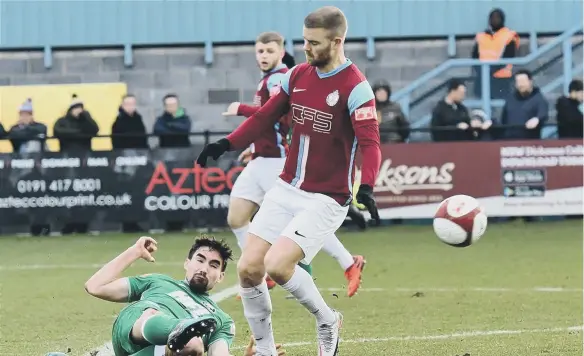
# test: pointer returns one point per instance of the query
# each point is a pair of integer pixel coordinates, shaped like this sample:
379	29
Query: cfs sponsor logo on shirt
321	121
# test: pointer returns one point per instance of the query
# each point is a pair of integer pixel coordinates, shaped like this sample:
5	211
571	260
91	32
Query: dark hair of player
267	37
215	245
329	18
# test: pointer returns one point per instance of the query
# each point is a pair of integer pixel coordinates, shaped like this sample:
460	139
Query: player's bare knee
136	333
240	212
282	258
250	271
235	220
278	268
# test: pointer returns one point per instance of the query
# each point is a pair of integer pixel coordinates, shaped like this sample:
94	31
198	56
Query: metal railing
211	136
403	96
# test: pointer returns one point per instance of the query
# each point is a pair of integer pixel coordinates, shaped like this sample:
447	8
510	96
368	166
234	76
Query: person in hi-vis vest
496	42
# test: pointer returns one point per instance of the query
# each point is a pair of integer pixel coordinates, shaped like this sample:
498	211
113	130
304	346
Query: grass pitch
518	292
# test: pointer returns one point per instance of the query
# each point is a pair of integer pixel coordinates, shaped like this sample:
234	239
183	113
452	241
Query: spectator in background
393	125
569	112
288	60
480	124
76	128
174	125
27	135
451	113
129	121
526	108
3	132
496	42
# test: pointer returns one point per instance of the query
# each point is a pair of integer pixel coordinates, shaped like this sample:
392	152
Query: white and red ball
460	221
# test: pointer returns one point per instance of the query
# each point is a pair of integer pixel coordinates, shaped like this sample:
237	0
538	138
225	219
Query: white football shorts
305	218
257	178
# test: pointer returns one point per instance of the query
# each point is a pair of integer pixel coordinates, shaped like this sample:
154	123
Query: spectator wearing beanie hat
76	128
27	135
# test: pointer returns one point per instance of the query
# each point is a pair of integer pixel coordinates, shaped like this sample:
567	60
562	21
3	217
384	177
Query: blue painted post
486	88
405	105
451	45
370	48
533	41
208	52
289	46
567	52
48	57
1	16
128	55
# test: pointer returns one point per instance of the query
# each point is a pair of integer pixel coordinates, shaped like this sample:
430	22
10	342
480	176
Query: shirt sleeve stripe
360	94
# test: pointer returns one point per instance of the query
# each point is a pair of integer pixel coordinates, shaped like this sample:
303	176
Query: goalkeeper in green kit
166	316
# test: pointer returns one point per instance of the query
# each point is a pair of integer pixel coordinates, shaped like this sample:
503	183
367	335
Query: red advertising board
510	178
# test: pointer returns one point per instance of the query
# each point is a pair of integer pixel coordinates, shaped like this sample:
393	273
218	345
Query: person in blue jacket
526	109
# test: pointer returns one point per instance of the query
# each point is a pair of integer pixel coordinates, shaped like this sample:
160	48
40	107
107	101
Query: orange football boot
353	275
270	282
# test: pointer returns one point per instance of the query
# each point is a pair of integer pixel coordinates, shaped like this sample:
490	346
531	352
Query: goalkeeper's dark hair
214	245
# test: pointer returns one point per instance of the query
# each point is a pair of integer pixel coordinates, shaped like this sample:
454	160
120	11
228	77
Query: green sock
307	268
158	327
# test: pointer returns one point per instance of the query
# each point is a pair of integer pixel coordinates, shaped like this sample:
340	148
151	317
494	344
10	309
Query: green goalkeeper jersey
174	297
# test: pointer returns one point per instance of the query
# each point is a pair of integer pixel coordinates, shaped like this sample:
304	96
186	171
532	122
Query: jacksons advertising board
510	178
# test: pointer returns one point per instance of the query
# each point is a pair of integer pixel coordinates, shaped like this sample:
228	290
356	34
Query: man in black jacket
451	120
569	112
76	128
129	121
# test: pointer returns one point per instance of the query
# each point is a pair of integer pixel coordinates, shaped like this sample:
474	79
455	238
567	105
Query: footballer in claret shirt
263	170
333	113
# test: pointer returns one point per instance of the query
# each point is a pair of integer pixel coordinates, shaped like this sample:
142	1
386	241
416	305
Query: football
460	221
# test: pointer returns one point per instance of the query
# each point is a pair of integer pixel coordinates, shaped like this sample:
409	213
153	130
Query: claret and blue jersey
332	115
272	143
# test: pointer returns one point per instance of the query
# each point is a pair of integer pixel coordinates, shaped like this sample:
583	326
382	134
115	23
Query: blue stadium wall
34	24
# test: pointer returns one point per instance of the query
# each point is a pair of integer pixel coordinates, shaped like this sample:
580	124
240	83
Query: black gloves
365	197
214	150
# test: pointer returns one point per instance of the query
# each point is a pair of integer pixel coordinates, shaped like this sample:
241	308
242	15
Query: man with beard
268	155
333	111
167	316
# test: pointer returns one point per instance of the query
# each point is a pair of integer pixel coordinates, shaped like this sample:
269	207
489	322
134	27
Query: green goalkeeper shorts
122	329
